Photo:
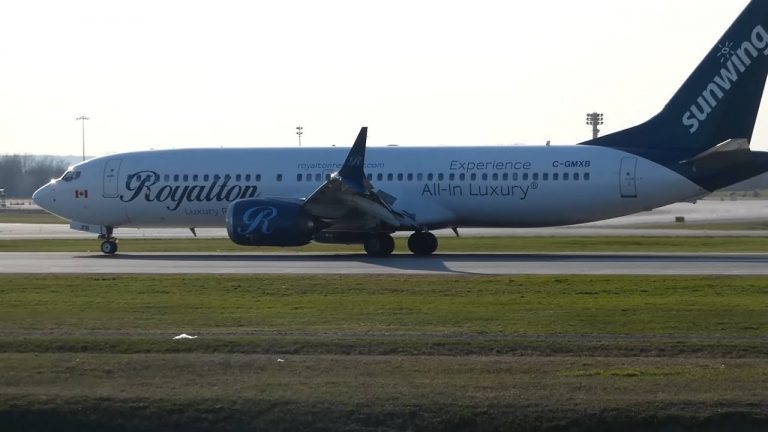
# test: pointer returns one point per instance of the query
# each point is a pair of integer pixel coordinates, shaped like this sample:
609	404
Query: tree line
21	175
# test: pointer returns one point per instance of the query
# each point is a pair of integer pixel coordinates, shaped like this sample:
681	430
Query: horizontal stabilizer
731	145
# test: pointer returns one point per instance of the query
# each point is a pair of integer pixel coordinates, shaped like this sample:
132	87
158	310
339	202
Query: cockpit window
70	175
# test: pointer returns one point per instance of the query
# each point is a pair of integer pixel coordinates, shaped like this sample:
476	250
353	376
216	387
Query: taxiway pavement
490	264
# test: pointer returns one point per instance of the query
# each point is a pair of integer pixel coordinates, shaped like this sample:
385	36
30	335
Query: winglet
352	170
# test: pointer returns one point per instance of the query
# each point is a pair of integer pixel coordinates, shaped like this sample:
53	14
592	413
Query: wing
348	199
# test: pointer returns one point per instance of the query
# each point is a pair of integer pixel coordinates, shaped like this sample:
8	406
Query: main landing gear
109	242
379	245
422	243
382	244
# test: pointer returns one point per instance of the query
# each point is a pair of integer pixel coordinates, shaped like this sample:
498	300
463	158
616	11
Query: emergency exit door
628	177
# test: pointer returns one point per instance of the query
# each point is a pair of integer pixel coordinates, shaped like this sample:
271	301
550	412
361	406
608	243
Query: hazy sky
171	74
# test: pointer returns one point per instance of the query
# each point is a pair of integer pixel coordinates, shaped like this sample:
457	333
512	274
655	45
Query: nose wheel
109	243
109	247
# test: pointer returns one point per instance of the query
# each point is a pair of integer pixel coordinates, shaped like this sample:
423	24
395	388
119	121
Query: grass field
29	217
384	353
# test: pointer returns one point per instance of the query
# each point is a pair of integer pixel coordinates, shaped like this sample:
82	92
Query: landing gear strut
109	242
422	243
379	245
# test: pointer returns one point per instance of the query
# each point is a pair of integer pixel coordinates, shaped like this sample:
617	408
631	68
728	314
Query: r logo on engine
258	217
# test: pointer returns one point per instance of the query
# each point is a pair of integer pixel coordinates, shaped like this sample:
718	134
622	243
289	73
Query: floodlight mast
299	132
595	119
82	119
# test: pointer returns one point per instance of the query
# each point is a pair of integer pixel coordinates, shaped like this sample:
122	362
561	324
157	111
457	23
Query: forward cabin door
628	177
111	171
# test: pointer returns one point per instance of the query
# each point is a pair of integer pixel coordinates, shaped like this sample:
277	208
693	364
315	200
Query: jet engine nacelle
269	222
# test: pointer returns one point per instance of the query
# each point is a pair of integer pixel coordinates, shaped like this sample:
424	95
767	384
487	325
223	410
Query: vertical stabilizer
718	102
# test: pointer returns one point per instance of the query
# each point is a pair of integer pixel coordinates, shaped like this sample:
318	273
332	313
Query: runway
333	264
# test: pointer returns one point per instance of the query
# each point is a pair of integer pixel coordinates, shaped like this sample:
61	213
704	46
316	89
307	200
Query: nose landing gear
109	242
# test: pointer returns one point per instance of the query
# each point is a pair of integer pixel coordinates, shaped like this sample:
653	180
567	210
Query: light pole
82	120
595	119
299	132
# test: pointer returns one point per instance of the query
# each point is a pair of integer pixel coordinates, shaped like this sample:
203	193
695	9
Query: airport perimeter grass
447	244
29	217
383	352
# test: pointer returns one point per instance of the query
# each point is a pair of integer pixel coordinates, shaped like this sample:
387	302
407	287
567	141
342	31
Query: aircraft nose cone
43	196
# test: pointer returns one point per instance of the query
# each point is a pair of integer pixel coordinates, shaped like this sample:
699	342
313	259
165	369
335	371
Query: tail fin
718	102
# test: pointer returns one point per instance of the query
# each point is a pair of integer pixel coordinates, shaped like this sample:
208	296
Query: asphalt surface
490	264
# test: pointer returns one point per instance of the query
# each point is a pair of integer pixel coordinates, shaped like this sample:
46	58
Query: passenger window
216	177
238	178
380	177
186	178
473	177
440	177
495	176
195	178
505	176
545	176
565	176
535	176
586	176
247	177
167	178
206	178
485	177
525	176
555	176
419	177
451	176
175	178
298	177
258	177
390	177
462	177
430	177
279	177
410	177
514	176
576	176
318	176
400	177
370	177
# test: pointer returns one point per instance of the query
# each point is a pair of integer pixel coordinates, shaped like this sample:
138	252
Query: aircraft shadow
402	262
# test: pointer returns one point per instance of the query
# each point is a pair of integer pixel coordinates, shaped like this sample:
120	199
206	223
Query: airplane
698	143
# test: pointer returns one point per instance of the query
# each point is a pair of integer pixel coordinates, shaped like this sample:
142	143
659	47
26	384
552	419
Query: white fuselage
503	186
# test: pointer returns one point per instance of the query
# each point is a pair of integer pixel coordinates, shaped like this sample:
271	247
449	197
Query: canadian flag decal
81	193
